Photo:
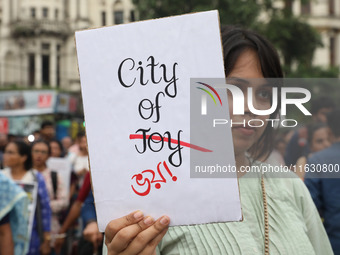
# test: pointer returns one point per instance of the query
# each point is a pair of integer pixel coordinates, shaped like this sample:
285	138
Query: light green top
294	224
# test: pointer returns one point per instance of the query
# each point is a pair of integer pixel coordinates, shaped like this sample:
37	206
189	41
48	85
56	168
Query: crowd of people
281	215
52	203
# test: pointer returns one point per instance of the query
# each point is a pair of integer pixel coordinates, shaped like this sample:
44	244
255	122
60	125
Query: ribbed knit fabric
295	227
294	224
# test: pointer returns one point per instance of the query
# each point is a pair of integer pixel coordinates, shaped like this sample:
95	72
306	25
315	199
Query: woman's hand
58	244
135	234
45	248
91	233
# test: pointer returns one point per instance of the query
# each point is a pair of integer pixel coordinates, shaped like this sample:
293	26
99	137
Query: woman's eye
264	94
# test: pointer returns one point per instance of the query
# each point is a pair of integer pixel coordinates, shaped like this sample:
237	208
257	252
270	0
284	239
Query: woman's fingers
134	234
116	225
126	235
151	247
148	239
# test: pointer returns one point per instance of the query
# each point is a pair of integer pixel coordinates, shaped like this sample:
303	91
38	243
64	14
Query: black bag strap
38	213
54	177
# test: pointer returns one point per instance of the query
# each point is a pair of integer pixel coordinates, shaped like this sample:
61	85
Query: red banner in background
4	126
45	100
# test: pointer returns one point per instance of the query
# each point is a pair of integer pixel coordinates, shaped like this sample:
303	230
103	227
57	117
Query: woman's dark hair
24	150
235	41
80	134
312	129
44	142
61	147
46	123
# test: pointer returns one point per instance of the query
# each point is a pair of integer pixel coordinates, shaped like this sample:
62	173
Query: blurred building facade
324	15
37	45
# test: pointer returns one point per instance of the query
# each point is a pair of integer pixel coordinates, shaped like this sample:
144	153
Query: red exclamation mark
174	178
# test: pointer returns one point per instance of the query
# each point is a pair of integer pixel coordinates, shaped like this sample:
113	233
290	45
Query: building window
56	14
45	13
118	17
58	66
45	70
103	18
31	69
331	7
33	13
332	51
305	8
132	16
45	63
45	46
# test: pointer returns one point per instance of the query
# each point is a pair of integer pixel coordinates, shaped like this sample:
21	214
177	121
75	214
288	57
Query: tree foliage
295	39
240	12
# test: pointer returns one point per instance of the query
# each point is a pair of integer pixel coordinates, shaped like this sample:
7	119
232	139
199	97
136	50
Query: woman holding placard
279	214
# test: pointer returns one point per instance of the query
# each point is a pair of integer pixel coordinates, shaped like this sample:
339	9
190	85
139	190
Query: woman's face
320	140
55	149
248	68
39	154
12	158
83	143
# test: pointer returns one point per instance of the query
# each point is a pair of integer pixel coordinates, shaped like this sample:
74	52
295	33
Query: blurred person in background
80	160
36	135
47	130
74	148
18	159
91	241
13	218
324	186
57	149
67	143
298	144
11	138
282	140
54	184
318	139
3	143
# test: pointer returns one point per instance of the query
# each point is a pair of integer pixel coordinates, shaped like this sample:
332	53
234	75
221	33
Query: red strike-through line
158	138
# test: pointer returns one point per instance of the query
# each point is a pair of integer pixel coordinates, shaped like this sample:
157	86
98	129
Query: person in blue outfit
298	145
18	160
92	239
14	214
324	186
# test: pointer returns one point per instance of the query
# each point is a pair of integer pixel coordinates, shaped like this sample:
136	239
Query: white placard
31	189
135	81
63	167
